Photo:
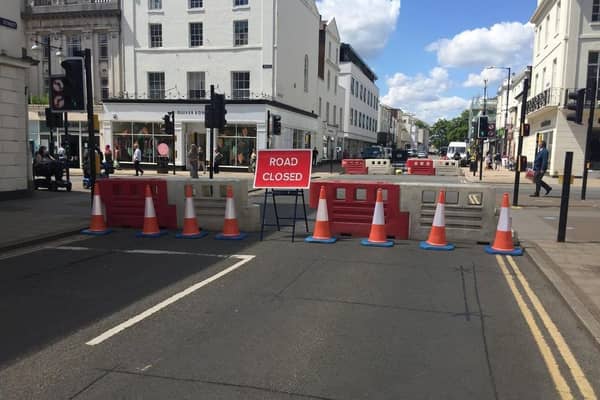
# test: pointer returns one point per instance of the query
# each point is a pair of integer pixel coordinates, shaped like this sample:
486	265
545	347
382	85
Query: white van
460	148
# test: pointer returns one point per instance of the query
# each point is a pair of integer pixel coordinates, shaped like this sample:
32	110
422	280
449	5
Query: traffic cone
503	243
437	235
150	228
377	236
322	233
98	222
190	224
231	231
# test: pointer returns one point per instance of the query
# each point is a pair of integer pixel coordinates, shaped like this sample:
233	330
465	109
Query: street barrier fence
417	166
447	168
378	166
353	166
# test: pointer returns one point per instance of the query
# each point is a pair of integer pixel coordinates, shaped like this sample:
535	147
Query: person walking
137	158
193	159
108	161
540	165
315	155
202	159
218	157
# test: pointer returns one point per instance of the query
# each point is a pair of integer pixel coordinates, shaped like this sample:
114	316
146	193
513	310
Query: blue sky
430	55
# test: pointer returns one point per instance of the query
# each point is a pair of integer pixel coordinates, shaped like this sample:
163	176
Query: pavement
572	267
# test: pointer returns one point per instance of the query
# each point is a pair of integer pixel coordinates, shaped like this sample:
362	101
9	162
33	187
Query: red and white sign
283	169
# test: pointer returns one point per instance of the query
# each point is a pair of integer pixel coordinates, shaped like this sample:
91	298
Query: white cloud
424	95
504	44
491	75
365	25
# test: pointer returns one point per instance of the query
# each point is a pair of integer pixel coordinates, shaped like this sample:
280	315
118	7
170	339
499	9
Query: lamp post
506	107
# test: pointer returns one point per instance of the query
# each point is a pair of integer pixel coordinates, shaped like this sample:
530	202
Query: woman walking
193	159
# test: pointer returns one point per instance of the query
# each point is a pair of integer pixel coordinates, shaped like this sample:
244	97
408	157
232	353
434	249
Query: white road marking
165	303
141	251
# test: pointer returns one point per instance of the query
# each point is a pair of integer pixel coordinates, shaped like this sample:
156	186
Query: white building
387	122
510	124
361	103
262	55
566	57
15	159
331	94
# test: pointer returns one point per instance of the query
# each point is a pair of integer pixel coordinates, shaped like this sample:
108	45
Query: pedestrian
202	159
193	159
540	165
218	157
488	160
252	166
497	161
117	157
315	155
108	160
137	158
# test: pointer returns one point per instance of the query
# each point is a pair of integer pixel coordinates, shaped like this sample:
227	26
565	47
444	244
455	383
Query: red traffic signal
575	103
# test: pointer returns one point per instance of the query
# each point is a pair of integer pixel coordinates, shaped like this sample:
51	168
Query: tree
454	130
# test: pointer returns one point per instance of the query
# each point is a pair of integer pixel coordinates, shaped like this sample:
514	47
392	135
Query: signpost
283	173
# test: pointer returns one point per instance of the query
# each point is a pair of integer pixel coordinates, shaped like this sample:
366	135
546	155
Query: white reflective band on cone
97	206
504	220
438	219
378	217
149	212
229	209
322	211
189	208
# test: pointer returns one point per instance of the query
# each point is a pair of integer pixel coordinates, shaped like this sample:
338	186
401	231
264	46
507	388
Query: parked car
421	154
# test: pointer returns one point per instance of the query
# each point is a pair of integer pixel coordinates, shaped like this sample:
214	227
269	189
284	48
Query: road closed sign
283	169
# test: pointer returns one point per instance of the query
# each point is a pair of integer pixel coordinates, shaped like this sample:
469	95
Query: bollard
564	200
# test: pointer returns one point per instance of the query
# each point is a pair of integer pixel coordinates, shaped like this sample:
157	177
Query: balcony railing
41	7
551	97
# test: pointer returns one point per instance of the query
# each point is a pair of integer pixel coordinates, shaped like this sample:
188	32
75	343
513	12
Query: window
329	51
355	118
155	35
341	115
334	113
104	88
306	73
195	82
553	77
539	38
45	39
196	34
73	45
320	106
328	80
352	86
335	84
351	116
595	11
103	45
156	85
240	33
356	88
592	71
336	55
237	3
327	112
196	3
240	85
547	29
557	20
155	4
543	85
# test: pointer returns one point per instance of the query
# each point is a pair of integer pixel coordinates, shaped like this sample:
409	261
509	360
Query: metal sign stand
274	193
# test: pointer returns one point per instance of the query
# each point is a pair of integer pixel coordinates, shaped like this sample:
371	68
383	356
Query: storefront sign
8	23
190	112
283	169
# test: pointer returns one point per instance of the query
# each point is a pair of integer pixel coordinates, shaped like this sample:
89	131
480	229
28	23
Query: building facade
361	102
387	122
566	57
15	158
508	123
262	55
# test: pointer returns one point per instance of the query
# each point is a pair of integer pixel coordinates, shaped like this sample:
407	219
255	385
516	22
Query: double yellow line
561	384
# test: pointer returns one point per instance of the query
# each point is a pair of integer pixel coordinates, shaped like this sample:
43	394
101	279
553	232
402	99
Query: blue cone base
311	239
365	242
150	235
196	236
241	236
427	246
96	233
516	252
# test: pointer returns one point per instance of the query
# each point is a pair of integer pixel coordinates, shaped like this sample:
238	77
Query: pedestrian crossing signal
483	127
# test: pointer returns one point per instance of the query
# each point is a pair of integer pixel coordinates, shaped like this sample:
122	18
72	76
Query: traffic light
575	103
68	91
169	126
220	111
526	129
483	127
209	117
53	120
276	124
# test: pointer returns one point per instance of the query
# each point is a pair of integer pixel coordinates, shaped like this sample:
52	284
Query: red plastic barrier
354	166
124	201
350	207
419	166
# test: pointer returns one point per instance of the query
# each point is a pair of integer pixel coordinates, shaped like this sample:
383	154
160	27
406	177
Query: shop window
236	143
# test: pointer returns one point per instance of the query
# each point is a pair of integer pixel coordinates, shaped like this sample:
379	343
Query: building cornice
541	11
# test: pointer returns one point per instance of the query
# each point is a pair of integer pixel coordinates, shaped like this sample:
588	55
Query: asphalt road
283	321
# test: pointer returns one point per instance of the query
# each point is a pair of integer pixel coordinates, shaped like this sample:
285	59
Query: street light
506	108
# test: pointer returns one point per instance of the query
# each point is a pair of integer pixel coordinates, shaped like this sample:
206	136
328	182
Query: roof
348	54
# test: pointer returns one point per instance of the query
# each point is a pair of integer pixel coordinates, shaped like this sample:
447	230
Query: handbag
529	174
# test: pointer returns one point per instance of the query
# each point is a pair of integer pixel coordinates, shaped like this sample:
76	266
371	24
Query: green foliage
38	99
455	130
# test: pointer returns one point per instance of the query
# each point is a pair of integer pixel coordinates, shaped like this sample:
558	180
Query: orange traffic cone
437	235
150	228
190	224
503	243
377	236
98	222
231	231
322	233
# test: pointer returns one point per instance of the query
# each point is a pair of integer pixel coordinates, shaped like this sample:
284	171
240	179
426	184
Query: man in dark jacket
540	165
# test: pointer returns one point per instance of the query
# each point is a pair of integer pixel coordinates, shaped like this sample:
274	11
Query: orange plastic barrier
354	166
419	166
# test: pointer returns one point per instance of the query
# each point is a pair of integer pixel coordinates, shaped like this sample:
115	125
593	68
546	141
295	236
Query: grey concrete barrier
447	168
470	210
378	166
209	202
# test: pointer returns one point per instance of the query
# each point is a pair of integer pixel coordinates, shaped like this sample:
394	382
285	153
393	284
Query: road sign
283	169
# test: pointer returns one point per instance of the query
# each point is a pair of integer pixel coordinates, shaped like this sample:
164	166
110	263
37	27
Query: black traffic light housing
169	125
73	90
219	111
53	120
483	127
575	103
276	124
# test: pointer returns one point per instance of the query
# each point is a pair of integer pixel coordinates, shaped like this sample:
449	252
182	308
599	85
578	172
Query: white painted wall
353	102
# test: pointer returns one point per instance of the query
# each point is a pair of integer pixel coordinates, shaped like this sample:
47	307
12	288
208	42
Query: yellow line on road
559	381
578	375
